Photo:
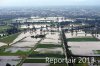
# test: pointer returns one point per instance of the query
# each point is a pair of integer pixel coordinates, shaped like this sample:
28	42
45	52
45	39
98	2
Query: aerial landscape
49	33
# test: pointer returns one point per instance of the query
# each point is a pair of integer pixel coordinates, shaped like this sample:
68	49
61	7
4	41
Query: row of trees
12	30
93	29
9	31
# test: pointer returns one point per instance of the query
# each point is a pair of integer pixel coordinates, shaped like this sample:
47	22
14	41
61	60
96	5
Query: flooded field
31	26
2	44
50	50
12	60
35	64
52	38
84	48
83	44
79	34
51	45
23	42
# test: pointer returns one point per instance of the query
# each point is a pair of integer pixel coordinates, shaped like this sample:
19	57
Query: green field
34	61
82	64
96	51
3	28
82	39
58	64
8	53
48	46
46	55
9	39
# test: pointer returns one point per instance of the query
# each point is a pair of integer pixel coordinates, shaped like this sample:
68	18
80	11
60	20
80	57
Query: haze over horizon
21	3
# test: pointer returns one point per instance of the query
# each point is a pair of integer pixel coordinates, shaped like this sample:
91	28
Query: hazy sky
48	2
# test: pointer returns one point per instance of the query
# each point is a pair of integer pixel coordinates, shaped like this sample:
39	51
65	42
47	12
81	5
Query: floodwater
2	44
15	49
53	38
31	26
12	60
50	50
35	64
79	34
84	48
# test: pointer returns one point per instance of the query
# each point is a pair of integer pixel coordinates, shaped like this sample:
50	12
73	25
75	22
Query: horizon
61	6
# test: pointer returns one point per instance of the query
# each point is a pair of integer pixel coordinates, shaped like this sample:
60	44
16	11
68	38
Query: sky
5	3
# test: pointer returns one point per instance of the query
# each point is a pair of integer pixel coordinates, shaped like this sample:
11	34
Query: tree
46	27
12	30
41	29
72	30
76	32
